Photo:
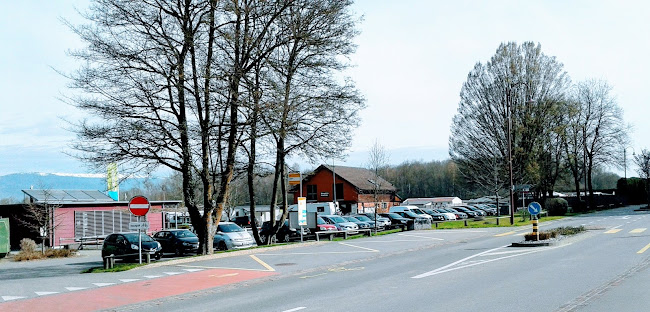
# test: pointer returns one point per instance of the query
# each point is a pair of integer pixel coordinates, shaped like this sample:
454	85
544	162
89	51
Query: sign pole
139	244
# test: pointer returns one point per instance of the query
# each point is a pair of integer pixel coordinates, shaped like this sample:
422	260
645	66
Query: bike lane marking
136	292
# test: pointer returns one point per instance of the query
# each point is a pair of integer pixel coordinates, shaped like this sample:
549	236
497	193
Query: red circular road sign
139	206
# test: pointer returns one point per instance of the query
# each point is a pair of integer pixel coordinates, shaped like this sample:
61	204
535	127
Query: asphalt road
604	269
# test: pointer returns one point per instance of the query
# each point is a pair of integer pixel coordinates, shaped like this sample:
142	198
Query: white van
413	209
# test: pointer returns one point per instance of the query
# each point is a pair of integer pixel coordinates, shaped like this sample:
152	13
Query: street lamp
625	160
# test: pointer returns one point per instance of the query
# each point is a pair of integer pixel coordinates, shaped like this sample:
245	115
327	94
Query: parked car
340	223
242	221
125	246
361	224
232	236
324	226
413	209
364	218
478	211
459	214
397	220
177	241
285	233
470	213
442	216
410	215
385	222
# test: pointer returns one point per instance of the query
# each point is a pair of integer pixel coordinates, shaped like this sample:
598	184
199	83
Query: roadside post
139	206
295	178
535	208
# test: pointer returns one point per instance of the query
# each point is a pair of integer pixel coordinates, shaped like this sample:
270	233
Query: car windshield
411	214
394	215
320	221
362	218
184	234
133	237
429	211
417	211
351	219
338	219
229	227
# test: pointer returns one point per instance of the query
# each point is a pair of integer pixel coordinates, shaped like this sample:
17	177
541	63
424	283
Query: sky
411	61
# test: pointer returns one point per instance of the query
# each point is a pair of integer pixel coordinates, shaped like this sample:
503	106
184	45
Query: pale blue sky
412	59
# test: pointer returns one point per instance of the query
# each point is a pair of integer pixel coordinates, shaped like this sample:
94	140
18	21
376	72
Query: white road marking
418	236
45	293
75	288
8	298
193	270
128	280
453	267
152	276
103	284
295	309
364	248
173	273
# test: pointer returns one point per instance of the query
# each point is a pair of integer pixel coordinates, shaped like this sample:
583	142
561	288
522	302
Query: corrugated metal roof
67	196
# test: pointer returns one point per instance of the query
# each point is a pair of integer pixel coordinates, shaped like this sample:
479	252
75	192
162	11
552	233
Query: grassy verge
119	267
488	222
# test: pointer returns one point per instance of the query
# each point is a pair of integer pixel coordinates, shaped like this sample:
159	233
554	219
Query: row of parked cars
232	236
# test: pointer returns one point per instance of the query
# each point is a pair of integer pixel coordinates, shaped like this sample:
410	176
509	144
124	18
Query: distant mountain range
12	184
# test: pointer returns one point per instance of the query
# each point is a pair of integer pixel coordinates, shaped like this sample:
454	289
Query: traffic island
548	238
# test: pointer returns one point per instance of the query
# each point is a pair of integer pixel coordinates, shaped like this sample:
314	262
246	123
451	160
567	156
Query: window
312	192
339	191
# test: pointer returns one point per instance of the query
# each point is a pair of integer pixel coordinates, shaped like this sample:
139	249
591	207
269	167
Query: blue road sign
534	208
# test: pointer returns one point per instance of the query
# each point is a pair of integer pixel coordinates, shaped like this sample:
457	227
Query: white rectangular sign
134	226
302	211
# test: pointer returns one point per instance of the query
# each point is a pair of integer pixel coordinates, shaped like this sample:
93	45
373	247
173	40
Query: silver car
232	236
340	223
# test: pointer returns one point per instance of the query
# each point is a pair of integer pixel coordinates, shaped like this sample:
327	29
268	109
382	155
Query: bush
557	206
542	236
27	245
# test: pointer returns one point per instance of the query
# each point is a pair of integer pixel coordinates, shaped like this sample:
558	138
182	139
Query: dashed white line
295	309
103	284
9	298
173	273
193	270
128	280
152	276
364	248
75	288
45	293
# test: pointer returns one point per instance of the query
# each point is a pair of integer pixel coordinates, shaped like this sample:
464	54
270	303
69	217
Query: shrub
27	245
557	206
542	236
60	253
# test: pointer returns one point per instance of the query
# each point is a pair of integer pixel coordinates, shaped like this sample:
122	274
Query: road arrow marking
45	293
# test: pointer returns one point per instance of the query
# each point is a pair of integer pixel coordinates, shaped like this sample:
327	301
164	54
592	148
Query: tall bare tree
602	127
522	87
377	162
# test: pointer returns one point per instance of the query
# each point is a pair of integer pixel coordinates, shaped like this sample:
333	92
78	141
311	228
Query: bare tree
506	110
643	161
42	217
602	127
377	162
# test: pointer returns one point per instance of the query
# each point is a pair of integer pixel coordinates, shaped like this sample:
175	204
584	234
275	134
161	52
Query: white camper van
326	208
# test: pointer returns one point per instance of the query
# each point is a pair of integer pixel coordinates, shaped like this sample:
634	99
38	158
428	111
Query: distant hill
12	184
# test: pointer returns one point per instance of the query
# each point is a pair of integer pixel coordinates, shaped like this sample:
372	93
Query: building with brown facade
357	189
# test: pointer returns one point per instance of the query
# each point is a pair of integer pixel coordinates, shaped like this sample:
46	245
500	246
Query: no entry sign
139	206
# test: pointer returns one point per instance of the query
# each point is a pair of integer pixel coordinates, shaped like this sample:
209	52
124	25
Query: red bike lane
135	292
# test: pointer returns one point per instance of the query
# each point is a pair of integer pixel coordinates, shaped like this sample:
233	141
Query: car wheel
222	246
178	251
158	256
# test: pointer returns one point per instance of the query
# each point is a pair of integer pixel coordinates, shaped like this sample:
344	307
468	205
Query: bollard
465	222
535	228
148	258
497	220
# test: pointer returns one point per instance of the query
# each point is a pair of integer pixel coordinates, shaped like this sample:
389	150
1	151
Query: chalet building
354	188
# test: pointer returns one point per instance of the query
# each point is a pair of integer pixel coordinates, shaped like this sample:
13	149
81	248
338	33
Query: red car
324	226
